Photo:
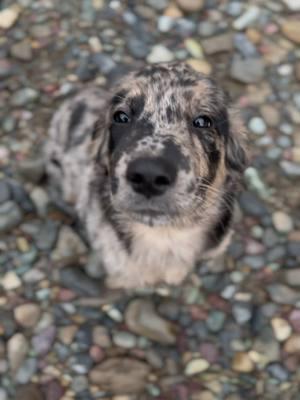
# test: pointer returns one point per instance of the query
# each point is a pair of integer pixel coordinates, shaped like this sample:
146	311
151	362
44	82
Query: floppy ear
236	148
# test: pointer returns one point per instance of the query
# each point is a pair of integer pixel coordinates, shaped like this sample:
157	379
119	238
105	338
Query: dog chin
150	218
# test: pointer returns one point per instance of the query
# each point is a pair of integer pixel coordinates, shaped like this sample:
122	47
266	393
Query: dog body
152	170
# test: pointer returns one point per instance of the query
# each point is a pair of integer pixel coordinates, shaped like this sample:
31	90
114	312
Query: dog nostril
136	178
162	181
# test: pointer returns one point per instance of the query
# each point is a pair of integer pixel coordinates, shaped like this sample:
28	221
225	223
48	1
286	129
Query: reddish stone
209	351
96	353
198	313
66	295
54	390
294	319
216	302
292	363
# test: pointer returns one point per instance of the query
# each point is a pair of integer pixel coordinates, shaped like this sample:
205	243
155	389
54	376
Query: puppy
152	169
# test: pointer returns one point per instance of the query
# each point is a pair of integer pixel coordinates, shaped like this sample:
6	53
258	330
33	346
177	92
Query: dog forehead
160	91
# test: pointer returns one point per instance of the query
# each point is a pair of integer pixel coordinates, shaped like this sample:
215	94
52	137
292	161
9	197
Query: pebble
69	245
291	29
24	96
247	18
292	276
282	329
194	48
22	50
43	341
165	23
292	345
3	394
27	315
200	66
293	5
4	192
290	168
160	53
242	362
257	125
8	16
120	375
190	5
196	366
282	222
242	312
10	281
142	319
124	339
282	294
250	70
17	349
215	321
40	199
26	371
218	44
252	205
137	47
278	372
101	337
10	216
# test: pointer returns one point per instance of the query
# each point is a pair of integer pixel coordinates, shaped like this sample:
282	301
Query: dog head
174	146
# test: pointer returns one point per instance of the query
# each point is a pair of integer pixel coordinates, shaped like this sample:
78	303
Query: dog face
174	149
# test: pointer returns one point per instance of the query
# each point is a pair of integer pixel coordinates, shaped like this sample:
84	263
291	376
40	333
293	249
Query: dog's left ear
236	147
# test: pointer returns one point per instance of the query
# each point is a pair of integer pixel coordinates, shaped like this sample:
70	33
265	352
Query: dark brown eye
202	122
121	117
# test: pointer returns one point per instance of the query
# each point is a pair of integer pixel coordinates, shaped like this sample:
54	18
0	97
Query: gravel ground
232	331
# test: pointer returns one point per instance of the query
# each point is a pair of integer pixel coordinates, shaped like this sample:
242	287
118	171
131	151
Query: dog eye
202	122
121	117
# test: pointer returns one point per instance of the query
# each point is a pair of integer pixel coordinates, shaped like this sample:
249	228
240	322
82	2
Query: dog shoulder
74	121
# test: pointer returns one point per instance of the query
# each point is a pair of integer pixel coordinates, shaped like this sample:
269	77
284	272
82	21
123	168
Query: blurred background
232	331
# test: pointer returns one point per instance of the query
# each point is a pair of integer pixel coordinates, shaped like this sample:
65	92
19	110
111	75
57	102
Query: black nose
151	176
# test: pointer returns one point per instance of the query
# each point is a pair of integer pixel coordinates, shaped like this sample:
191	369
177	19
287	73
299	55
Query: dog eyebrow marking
119	97
138	104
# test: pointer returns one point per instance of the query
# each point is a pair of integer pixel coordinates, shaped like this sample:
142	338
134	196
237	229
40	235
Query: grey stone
215	320
124	339
252	205
242	312
142	319
75	279
104	63
26	371
255	262
278	372
276	253
10	216
32	170
292	276
46	236
290	168
282	294
24	96
137	47
293	249
244	46
250	70
5	192
22	50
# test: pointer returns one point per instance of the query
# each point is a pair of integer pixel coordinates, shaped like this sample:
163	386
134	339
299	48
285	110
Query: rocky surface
231	332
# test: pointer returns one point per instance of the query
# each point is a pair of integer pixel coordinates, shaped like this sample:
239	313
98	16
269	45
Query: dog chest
166	246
